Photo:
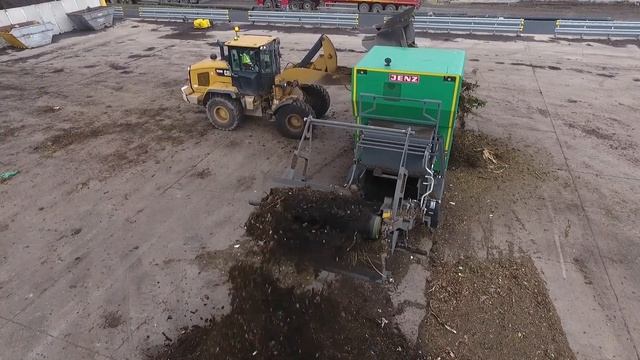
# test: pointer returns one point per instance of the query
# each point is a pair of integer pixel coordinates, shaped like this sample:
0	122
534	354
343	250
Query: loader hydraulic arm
327	61
324	70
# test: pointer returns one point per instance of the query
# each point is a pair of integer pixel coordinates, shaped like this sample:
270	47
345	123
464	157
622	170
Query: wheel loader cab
254	61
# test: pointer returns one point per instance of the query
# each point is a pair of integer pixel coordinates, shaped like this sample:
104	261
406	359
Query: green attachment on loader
417	87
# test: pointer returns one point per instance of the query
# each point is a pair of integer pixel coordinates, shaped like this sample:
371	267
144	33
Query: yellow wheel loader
246	80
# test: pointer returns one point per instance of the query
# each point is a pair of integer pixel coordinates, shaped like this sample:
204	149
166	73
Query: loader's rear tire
377	8
318	98
363	7
224	113
290	118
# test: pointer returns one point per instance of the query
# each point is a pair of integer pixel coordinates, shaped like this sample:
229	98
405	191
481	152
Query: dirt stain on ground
150	125
7	132
139	56
595	132
111	319
68	137
202	173
550	67
115	66
527	65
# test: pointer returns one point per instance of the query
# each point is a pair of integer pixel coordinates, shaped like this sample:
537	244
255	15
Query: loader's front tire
224	113
290	118
318	98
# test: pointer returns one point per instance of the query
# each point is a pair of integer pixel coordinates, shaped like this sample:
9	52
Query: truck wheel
268	4
308	5
318	98
290	118
295	5
390	8
377	8
363	7
224	113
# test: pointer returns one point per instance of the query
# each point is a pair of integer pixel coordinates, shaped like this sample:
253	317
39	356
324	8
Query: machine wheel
224	113
363	7
377	8
268	4
295	5
290	118
308	5
318	98
390	8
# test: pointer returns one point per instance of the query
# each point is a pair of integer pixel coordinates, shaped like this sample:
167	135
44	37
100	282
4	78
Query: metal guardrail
598	28
117	12
469	25
304	18
175	13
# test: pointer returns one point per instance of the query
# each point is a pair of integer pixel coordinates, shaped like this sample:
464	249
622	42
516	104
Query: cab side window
235	60
266	58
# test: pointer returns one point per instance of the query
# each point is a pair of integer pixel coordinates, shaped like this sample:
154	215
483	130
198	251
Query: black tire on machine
318	98
224	113
290	118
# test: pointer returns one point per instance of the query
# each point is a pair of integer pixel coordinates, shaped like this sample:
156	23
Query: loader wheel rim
221	114
294	121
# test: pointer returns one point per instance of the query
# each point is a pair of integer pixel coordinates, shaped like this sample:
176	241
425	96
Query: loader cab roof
414	60
251	41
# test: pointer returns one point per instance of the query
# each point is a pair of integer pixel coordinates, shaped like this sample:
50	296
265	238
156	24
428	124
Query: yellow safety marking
454	101
355	87
406	72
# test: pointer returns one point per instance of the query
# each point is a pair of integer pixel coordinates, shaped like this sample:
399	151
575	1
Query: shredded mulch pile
495	308
268	321
302	221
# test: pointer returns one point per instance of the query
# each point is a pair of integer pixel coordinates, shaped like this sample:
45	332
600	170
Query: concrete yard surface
128	204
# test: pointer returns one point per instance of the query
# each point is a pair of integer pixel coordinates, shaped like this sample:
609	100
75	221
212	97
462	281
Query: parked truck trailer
362	5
